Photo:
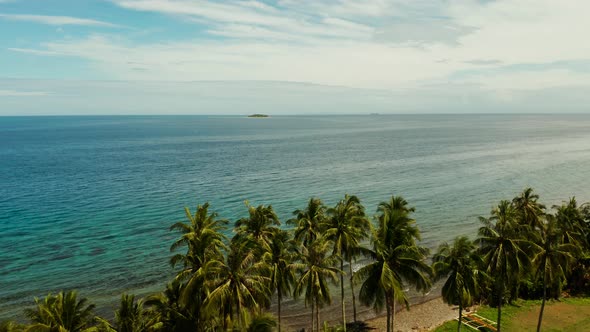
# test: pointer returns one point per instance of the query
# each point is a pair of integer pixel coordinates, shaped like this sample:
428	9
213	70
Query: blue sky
293	56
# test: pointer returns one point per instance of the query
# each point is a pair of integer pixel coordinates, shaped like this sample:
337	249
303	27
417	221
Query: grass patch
450	326
571	314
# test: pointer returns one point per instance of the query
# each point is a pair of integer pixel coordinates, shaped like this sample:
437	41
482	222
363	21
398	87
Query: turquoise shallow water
85	202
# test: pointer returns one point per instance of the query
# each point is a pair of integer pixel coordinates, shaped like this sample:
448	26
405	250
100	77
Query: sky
293	56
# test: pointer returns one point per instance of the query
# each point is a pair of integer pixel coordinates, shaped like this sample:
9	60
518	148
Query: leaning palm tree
281	262
503	245
528	209
258	227
553	259
61	312
308	221
317	272
203	242
240	286
345	227
459	264
131	316
397	260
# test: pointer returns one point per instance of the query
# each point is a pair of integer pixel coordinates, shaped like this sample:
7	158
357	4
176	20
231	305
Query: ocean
86	202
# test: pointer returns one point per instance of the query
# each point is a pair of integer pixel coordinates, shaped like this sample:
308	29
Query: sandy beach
426	313
421	317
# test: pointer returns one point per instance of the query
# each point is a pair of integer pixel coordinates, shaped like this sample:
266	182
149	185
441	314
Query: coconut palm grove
523	249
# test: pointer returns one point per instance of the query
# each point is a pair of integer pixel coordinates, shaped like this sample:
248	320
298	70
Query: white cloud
497	52
56	20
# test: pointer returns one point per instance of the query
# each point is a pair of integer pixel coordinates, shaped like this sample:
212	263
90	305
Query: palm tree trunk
352	291
500	300
544	297
342	294
312	315
460	316
393	316
279	307
317	316
388	305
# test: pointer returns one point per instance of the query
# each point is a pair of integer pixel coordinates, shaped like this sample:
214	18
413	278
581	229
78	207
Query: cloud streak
57	20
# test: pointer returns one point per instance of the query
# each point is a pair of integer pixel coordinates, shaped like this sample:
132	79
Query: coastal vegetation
523	251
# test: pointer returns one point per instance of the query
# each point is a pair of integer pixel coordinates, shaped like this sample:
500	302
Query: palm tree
571	222
175	315
553	258
262	323
258	227
308	221
280	260
132	317
529	210
459	264
346	227
62	312
241	286
397	260
503	248
317	271
204	244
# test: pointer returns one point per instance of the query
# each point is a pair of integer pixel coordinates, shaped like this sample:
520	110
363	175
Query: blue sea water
86	202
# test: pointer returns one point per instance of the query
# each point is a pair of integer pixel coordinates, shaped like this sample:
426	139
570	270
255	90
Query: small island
258	116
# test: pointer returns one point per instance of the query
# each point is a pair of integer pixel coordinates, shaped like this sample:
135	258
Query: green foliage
459	263
259	227
10	326
240	286
223	284
61	312
308	221
262	323
132	317
396	260
345	227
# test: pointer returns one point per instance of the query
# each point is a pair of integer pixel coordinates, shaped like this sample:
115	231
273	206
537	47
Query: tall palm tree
397	260
204	244
345	227
61	312
553	259
317	272
281	262
528	209
241	286
131	316
459	264
503	246
308	221
258	227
